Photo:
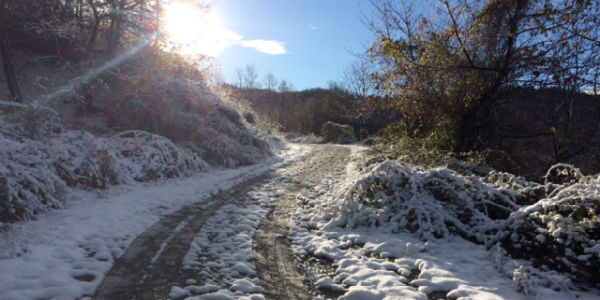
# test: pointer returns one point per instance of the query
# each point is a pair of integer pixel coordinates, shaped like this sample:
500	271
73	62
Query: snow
245	286
177	293
360	293
65	254
396	231
38	172
327	283
43	156
221	254
389	231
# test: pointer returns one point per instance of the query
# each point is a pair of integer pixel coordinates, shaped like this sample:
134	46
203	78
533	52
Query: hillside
151	117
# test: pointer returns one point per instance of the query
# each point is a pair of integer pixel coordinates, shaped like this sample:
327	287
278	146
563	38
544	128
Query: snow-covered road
234	246
259	232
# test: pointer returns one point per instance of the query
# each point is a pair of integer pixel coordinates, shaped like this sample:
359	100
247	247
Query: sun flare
193	30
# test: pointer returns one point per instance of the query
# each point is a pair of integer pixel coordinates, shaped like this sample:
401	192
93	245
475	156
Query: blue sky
317	37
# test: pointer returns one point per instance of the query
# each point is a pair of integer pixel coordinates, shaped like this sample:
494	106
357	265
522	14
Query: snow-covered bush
224	141
555	226
563	173
130	156
33	121
36	170
430	202
561	232
28	184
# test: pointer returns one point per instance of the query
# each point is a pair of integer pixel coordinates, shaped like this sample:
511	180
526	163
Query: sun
194	30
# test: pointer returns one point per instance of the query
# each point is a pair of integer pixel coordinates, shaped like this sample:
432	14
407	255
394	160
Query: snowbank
40	159
395	230
555	226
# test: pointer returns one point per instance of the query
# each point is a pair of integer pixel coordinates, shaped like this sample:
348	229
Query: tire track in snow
278	269
153	261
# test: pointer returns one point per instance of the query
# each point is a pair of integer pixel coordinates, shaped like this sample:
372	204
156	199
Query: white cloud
219	41
312	26
193	31
264	46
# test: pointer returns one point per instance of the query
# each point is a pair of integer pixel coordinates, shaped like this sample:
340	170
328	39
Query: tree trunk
472	127
9	70
94	35
112	28
116	22
469	136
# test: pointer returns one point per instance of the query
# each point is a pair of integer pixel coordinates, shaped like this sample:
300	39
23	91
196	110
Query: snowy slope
41	159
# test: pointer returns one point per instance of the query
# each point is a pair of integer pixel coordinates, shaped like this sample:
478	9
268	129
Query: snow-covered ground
65	254
222	254
221	263
368	256
345	231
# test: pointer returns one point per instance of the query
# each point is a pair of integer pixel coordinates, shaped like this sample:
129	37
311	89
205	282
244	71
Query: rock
338	133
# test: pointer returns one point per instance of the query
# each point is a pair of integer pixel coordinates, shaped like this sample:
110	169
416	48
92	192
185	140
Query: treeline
305	111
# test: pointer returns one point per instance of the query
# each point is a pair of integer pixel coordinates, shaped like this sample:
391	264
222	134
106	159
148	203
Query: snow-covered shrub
33	121
144	156
35	173
88	161
561	232
556	227
28	184
224	141
563	173
430	202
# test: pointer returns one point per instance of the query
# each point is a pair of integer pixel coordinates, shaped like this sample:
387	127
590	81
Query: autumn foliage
445	65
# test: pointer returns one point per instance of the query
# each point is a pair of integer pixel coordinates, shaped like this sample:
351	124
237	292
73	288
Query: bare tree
357	78
251	77
270	81
95	27
335	86
239	77
285	86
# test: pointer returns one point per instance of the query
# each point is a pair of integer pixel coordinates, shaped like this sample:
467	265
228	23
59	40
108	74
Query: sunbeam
78	81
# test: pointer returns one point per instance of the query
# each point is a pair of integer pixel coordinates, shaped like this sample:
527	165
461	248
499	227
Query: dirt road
152	264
